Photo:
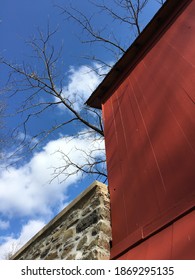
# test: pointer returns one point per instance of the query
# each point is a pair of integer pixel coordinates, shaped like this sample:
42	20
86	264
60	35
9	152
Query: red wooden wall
150	145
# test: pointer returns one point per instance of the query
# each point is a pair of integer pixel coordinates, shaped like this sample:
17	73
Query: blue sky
28	196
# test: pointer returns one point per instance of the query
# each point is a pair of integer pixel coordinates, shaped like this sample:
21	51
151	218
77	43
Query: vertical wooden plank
184	238
118	216
143	188
128	148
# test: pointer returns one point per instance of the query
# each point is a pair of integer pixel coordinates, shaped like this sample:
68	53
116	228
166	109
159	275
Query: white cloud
4	224
11	245
82	81
27	190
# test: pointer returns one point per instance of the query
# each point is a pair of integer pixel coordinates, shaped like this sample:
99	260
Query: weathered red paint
150	139
149	119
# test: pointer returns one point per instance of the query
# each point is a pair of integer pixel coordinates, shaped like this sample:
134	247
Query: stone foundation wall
81	231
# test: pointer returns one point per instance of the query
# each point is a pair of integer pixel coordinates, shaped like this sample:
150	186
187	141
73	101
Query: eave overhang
143	43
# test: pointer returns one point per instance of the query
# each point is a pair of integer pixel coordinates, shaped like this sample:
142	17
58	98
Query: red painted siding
177	241
150	138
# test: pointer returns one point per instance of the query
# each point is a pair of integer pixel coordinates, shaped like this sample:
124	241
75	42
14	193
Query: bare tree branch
126	12
161	2
43	88
132	11
46	83
40	84
87	26
92	166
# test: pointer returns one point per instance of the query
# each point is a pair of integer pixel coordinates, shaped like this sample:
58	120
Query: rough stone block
81	243
72	218
100	242
90	256
103	227
66	250
44	253
104	213
87	221
71	257
67	234
96	255
87	210
52	256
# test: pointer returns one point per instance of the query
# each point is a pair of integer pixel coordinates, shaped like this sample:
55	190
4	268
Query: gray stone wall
81	231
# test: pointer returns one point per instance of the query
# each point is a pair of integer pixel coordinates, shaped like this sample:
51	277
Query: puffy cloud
82	81
32	190
4	225
28	190
10	245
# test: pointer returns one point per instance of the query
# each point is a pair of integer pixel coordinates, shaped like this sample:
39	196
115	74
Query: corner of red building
148	105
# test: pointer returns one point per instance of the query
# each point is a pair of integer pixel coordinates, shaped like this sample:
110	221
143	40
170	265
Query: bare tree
42	88
126	13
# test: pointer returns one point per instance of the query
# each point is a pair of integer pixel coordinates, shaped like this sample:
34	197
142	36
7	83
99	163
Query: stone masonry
81	231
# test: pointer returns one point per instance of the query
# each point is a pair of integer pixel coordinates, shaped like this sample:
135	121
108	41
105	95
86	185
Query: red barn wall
150	141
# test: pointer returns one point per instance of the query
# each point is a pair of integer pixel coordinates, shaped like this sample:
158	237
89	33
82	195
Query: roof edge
151	33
